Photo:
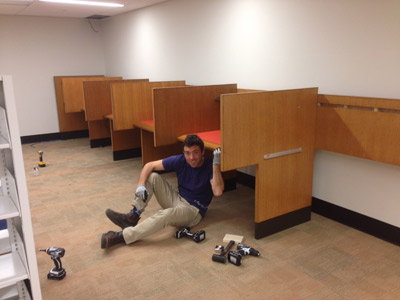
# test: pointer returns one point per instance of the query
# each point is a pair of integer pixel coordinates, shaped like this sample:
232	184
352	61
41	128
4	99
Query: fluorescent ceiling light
85	3
16	2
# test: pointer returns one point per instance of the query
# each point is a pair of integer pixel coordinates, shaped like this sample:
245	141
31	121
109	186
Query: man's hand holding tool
141	192
217	156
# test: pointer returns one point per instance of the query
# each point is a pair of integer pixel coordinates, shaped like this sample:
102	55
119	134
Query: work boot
123	220
111	238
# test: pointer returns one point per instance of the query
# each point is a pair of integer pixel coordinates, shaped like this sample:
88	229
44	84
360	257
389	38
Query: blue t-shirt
193	183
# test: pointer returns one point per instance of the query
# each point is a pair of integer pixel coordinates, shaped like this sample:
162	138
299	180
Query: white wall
343	47
33	50
368	187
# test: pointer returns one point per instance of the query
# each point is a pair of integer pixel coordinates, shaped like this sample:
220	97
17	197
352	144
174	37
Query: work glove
141	192
217	156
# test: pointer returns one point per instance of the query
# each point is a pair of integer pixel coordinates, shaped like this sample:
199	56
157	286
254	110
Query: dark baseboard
100	143
379	229
246	179
126	154
54	136
282	222
277	224
358	221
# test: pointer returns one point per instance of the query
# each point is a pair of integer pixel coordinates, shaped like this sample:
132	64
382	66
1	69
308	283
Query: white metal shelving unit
17	249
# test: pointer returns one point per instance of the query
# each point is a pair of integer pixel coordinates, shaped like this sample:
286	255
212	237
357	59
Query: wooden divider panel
99	129
249	90
256	124
67	121
132	102
151	153
183	110
364	127
124	139
283	185
73	91
97	96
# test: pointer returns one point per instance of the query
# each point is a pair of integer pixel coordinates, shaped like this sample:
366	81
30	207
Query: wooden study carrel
275	132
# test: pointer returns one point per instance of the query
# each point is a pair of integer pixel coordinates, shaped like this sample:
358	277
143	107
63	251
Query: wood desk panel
72	87
152	153
209	144
364	127
248	90
256	124
98	101
146	125
183	110
97	95
124	139
283	185
67	121
99	129
133	102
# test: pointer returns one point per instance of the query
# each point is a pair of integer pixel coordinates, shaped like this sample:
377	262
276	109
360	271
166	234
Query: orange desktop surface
211	139
146	125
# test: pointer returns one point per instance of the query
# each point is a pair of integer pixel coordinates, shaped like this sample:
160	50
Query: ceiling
47	9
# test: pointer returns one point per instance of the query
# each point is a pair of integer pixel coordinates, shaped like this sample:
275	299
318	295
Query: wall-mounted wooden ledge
356	107
364	127
359	102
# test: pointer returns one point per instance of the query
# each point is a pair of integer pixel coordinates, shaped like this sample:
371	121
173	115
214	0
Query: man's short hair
193	140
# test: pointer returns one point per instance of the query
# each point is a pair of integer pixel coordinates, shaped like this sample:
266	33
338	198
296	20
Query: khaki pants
176	211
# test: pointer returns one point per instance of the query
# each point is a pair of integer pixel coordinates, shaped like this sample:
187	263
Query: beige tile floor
320	259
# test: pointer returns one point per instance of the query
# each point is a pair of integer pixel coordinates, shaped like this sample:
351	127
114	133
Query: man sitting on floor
199	179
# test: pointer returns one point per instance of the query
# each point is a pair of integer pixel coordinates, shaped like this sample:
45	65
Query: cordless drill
235	257
56	253
198	236
41	163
